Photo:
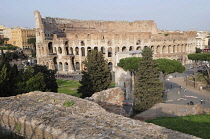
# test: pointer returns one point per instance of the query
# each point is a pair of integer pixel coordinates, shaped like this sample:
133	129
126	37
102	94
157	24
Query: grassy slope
69	87
197	125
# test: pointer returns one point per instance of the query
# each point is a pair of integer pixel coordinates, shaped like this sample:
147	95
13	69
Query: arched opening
164	49
138	42
50	48
89	49
82	43
169	49
145	46
131	48
60	66
77	66
124	49
71	51
103	50
178	48
110	65
66	66
83	51
77	51
153	48
158	49
174	49
138	48
109	52
55	63
96	48
42	50
60	50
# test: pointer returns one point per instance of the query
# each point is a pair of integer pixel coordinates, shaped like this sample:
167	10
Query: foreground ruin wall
42	115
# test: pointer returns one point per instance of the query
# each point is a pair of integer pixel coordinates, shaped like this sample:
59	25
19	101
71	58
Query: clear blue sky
168	14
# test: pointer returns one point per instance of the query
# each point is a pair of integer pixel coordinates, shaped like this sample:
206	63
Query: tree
198	50
196	57
167	66
97	76
148	88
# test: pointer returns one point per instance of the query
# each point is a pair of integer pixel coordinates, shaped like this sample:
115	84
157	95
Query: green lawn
197	125
69	87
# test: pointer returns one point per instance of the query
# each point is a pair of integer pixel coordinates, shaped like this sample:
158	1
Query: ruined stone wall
63	44
43	115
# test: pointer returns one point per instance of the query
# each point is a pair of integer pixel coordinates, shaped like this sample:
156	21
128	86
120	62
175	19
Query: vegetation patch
68	104
197	125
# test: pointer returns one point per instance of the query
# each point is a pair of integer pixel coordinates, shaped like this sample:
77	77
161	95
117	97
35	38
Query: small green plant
68	104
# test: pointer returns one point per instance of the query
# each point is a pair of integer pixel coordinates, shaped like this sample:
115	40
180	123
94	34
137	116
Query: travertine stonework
39	115
63	44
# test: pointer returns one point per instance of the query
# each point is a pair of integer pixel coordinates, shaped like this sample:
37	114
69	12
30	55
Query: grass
68	103
70	87
197	125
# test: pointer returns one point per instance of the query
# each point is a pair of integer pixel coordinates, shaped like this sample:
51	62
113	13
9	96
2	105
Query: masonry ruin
39	115
63	44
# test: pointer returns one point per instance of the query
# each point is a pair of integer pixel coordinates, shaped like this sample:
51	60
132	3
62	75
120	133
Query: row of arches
109	51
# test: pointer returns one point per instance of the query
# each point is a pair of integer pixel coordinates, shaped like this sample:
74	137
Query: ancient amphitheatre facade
63	44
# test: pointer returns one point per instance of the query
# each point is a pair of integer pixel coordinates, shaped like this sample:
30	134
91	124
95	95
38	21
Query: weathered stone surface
114	96
170	110
42	115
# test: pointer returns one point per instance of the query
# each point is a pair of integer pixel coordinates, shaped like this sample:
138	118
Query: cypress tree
148	88
97	76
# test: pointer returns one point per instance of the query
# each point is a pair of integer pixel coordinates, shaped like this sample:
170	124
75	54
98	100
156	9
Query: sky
168	14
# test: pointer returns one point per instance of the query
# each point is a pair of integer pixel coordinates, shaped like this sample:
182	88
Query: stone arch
96	48
109	52
50	48
77	51
170	49
153	48
83	51
174	49
145	46
164	49
103	50
55	63
82	43
71	51
77	66
60	66
124	49
60	50
138	48
88	49
110	65
131	48
158	49
66	66
178	48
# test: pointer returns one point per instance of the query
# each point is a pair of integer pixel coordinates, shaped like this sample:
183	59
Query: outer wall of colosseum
63	44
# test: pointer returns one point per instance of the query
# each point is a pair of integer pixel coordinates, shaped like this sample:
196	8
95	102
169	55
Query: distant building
18	36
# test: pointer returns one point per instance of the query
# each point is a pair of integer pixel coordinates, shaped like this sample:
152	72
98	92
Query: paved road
184	97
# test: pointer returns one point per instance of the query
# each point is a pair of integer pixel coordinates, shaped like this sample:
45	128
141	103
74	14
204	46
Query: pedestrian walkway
181	81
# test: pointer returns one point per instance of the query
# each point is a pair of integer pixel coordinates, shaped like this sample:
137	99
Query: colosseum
63	44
